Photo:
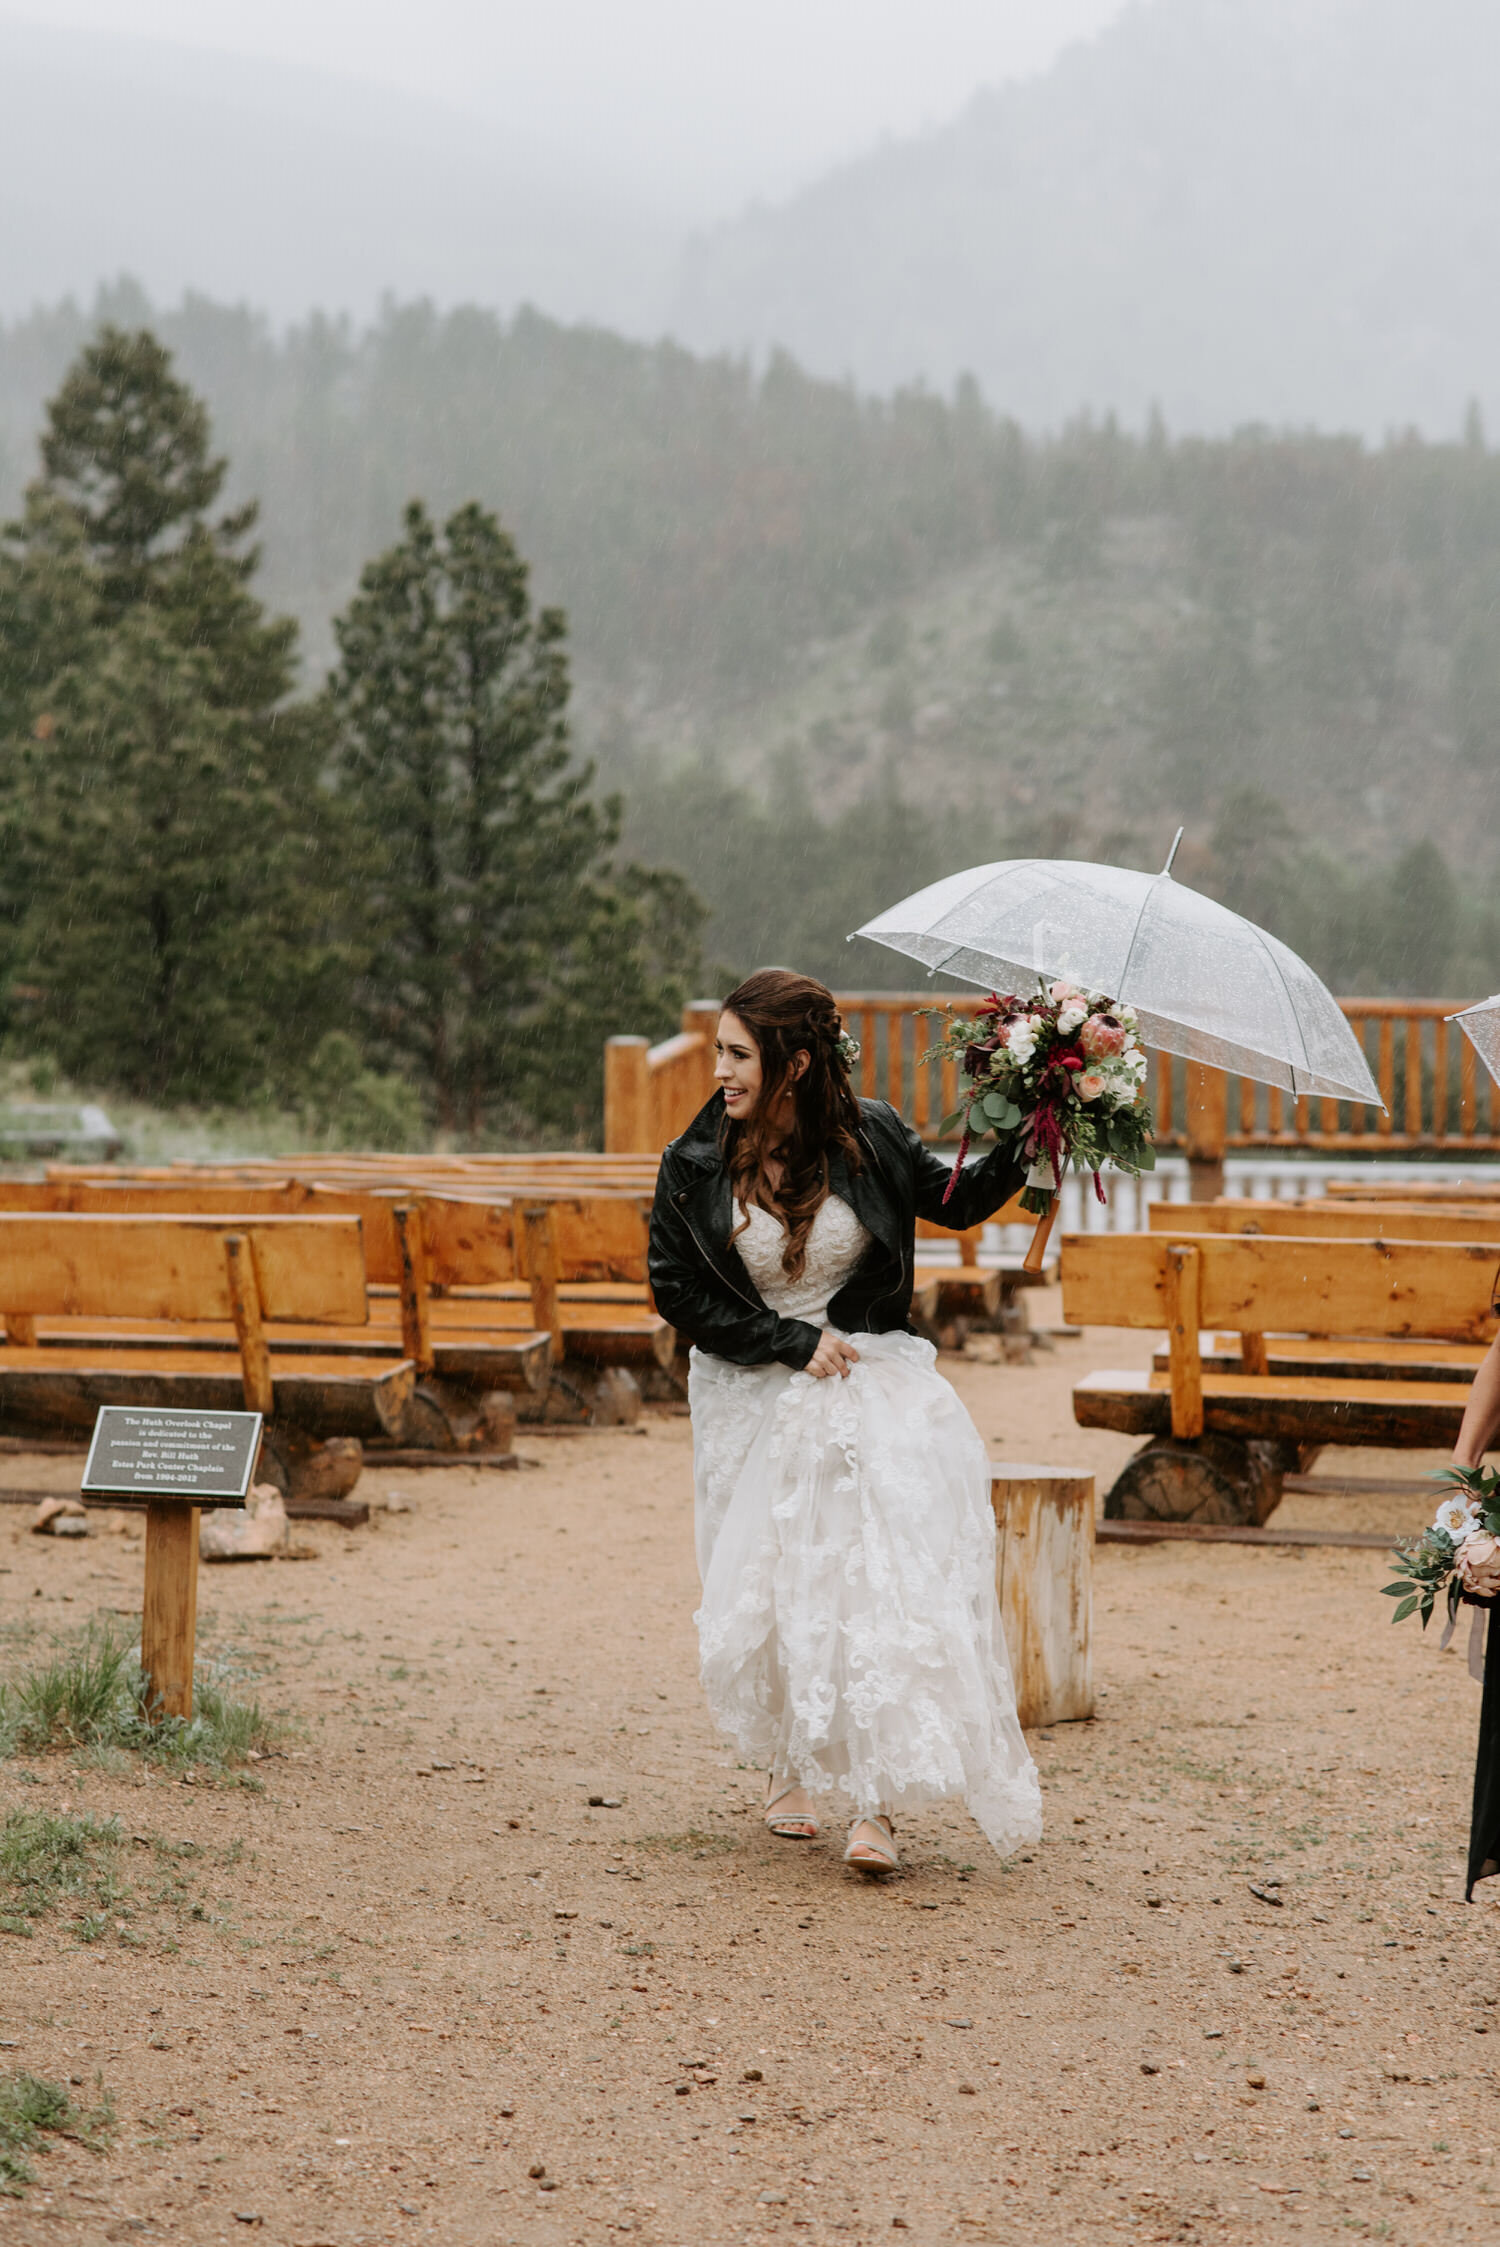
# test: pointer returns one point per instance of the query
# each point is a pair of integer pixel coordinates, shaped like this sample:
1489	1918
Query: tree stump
1222	1480
1044	1560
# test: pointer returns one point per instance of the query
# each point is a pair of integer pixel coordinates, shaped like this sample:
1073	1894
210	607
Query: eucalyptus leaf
1408	1607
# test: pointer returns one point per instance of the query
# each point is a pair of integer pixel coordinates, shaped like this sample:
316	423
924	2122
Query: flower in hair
848	1049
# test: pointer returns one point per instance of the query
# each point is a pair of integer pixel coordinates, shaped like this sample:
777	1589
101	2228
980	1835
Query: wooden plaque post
174	1462
1044	1558
169	1607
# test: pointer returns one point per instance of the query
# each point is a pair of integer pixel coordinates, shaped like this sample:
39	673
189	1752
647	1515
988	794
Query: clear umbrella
1480	1024
1204	982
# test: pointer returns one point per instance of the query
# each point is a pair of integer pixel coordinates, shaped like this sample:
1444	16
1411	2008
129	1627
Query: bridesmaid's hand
832	1355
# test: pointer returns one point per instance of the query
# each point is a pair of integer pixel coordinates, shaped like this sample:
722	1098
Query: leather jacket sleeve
982	1186
702	1303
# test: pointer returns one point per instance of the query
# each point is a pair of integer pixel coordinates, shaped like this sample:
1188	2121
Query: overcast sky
698	104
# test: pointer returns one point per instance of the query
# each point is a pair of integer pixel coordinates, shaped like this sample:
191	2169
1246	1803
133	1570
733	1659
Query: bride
849	1633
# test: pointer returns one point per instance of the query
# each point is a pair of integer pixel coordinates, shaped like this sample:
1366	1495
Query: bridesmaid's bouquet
1061	1078
1459	1556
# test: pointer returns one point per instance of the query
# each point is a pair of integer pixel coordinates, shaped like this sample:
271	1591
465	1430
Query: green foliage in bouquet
1458	1555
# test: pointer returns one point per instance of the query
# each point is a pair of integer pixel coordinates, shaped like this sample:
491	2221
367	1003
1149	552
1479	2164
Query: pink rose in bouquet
1056	1097
1102	1037
1478	1565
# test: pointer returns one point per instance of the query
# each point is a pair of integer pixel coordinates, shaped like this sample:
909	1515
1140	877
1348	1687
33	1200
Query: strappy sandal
798	1826
873	1856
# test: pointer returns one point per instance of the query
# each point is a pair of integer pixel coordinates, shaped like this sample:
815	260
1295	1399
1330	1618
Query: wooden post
1183	1291
1207	1130
416	1319
701	1016
1044	1561
20	1328
169	1607
541	1270
627	1090
1254	1356
244	1300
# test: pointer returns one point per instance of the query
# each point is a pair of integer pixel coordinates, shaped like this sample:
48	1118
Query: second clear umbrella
1480	1024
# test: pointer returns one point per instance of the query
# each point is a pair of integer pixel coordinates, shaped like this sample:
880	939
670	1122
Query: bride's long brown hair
788	1014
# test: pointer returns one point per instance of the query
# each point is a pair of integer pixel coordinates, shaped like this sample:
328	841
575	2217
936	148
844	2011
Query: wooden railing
651	1092
1438	1098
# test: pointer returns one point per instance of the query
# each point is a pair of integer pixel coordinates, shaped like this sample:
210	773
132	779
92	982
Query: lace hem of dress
849	1633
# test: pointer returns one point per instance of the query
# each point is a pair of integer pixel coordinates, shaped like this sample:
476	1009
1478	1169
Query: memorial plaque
204	1457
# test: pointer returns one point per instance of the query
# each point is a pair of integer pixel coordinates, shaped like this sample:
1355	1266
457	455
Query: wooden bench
245	1279
1322	1220
425	1248
1220	1442
1346	1357
1480	1186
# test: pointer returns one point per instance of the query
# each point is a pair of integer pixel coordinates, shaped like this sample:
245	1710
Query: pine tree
504	944
126	452
161	818
164	949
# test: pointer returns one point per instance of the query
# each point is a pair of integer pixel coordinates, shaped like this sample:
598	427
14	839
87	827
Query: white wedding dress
849	1633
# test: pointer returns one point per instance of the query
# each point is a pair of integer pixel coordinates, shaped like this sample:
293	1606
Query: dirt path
368	2002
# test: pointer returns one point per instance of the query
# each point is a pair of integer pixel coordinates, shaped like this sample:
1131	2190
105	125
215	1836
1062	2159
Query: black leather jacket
702	1287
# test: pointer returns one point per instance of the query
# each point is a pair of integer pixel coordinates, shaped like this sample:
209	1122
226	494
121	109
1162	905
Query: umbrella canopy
1480	1024
1205	982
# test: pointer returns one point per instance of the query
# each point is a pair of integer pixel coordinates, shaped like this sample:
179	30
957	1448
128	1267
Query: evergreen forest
461	690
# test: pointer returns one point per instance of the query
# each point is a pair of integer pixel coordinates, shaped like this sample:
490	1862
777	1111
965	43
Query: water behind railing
1256	1178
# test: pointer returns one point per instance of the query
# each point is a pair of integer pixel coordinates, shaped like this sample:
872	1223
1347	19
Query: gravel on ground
495	1948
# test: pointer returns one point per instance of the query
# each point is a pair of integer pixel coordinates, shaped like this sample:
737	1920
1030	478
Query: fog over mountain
293	189
1238	210
1271	210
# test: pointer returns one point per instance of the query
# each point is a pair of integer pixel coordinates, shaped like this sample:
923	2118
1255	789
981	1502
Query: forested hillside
825	642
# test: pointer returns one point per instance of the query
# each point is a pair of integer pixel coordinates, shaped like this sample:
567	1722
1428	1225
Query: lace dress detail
849	1633
834	1246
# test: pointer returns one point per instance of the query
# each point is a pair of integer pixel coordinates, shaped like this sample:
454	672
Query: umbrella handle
1032	1261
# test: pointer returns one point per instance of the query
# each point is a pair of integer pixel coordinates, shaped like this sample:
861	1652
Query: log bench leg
1224	1480
169	1608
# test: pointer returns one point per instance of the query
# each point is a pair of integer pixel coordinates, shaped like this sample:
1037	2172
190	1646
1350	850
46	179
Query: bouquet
1061	1076
1459	1555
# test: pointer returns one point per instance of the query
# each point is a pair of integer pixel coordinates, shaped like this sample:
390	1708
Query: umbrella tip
1172	853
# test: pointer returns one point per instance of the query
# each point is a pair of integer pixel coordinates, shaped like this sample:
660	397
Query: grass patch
89	1693
695	1840
47	1860
31	2108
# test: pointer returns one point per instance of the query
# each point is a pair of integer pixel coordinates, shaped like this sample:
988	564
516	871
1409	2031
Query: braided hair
787	1014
